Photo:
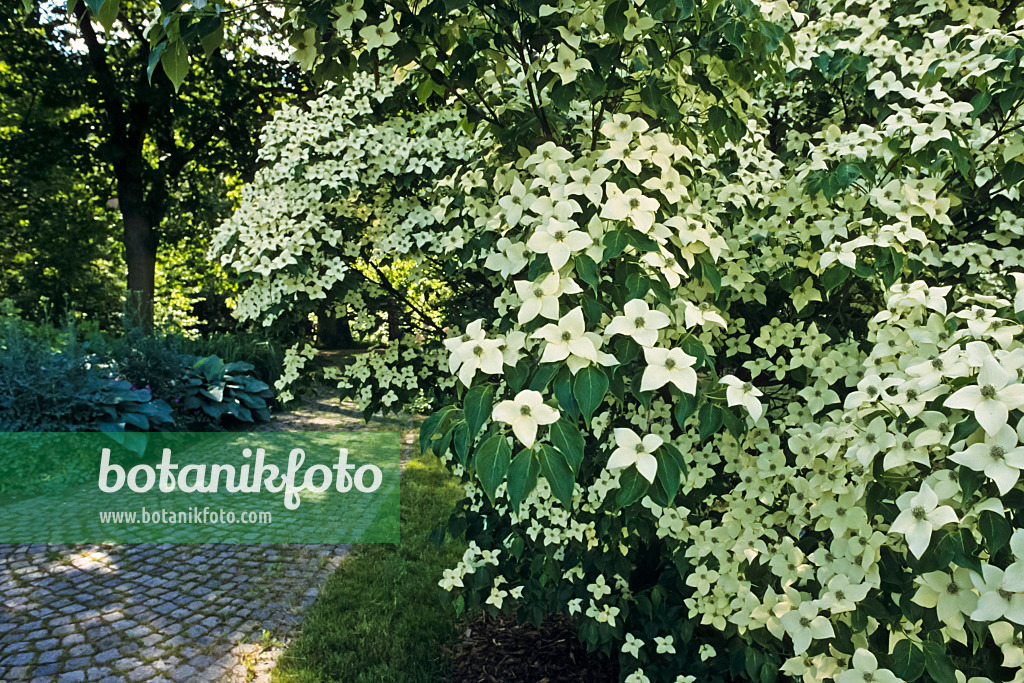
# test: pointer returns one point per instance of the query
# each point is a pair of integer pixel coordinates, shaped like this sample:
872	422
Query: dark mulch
501	651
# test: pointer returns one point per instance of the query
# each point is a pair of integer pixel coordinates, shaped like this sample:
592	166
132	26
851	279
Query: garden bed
502	651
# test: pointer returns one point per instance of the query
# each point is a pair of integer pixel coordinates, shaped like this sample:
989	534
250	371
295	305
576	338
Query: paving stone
73	639
18	659
142	673
82	649
48	669
77	663
72	677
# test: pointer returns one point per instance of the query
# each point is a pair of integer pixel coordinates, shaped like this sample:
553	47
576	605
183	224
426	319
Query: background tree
164	158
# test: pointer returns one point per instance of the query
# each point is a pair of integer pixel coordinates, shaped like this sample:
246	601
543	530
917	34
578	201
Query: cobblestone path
164	612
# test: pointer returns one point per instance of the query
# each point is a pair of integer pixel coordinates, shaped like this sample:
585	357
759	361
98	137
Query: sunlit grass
378	618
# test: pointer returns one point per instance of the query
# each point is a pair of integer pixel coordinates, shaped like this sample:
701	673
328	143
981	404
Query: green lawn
378	619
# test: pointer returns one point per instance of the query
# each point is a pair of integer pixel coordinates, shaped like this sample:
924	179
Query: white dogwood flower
638	321
669	365
525	413
744	394
999	457
567	338
991	398
632	450
920	514
540	297
804	625
865	668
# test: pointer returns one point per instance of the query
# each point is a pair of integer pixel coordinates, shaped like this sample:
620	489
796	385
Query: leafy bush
740	384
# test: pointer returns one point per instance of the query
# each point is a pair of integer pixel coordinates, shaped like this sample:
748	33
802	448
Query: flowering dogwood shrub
730	359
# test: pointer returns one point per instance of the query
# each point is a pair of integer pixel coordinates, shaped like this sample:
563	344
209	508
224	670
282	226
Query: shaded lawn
378	618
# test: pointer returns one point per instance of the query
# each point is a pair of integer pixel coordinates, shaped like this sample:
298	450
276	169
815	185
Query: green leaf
107	14
674	452
174	60
668	474
615	18
686	8
491	463
587	269
615	241
712	275
515	377
478	404
834	276
94	6
995	530
433	426
562	95
556	470
907	661
424	90
212	40
1012	173
563	392
964	429
964	547
970	481
980	103
684	407
461	439
711	419
522	477
154	59
937	663
566	437
733	422
589	388
632	487
543	376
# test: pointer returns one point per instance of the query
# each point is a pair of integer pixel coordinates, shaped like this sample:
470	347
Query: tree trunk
332	333
140	245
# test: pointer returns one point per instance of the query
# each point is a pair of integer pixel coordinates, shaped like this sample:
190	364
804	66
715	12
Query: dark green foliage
61	380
